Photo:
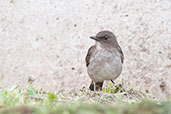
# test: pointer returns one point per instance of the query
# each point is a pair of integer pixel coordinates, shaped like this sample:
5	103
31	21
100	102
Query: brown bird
104	59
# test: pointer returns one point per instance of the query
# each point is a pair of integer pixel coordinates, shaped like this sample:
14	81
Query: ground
112	100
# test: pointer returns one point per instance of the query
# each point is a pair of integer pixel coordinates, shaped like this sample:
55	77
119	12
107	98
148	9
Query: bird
104	59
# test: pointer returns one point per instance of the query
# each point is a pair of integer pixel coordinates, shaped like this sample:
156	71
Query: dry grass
113	100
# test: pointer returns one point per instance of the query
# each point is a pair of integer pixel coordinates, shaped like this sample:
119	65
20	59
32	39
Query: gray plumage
104	59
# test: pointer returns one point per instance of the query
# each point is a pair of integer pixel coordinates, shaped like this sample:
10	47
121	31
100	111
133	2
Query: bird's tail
98	86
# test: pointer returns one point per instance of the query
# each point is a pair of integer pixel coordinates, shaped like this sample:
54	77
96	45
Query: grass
112	100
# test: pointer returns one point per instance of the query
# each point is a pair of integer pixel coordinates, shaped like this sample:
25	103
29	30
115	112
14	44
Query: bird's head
105	37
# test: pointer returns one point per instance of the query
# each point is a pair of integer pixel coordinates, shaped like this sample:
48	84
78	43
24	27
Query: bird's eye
105	37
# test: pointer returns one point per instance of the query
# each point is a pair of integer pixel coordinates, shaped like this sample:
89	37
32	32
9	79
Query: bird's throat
98	45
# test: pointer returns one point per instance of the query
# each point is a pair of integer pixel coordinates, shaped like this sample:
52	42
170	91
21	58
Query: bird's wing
90	51
121	53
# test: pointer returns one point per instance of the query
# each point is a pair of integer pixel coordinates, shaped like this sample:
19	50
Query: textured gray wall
47	40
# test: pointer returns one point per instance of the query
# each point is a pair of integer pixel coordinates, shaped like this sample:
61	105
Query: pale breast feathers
91	50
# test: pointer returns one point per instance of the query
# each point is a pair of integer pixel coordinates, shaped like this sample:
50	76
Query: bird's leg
94	86
113	82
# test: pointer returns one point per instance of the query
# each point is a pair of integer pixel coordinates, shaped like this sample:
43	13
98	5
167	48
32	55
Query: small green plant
52	97
31	91
114	89
117	89
83	91
109	89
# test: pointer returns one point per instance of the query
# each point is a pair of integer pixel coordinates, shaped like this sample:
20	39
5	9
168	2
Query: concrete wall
47	41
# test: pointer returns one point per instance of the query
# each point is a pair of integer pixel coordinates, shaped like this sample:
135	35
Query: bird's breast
104	65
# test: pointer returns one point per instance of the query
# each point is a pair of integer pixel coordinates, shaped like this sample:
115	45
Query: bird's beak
94	38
